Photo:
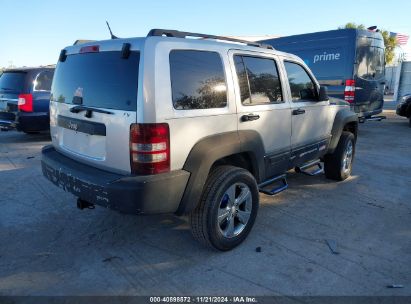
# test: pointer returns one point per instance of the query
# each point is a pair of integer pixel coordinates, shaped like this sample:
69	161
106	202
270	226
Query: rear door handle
298	111
250	117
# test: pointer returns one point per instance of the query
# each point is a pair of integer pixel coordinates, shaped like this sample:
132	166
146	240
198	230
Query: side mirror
323	94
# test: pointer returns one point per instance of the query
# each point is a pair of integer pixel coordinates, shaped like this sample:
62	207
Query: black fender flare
212	148
342	118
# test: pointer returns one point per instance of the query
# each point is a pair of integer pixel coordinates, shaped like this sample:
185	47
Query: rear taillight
349	92
25	102
149	148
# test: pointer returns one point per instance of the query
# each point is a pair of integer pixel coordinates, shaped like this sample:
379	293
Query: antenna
111	33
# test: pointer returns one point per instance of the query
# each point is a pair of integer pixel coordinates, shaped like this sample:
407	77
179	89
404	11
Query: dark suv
25	98
404	107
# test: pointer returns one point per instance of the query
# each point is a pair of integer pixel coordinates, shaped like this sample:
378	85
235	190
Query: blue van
25	99
350	62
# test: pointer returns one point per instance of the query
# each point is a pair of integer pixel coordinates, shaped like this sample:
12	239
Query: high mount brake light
90	49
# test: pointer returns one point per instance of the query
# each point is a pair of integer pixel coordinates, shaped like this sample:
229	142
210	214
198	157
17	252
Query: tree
390	42
352	25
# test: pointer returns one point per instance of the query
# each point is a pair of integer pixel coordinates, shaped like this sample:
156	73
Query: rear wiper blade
7	89
89	110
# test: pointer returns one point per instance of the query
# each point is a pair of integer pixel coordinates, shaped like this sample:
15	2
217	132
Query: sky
32	32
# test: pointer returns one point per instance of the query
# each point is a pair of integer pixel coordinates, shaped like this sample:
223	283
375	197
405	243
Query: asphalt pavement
49	247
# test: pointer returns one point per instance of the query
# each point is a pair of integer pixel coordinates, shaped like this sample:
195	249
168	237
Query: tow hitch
82	204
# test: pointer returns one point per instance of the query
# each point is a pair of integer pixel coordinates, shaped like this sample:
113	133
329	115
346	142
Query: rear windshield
371	62
12	82
101	80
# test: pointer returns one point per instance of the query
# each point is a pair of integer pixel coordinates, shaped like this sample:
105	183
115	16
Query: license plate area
83	138
78	125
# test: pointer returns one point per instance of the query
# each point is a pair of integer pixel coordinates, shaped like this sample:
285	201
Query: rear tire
338	165
227	208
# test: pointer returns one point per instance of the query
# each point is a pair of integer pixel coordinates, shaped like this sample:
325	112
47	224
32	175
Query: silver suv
190	124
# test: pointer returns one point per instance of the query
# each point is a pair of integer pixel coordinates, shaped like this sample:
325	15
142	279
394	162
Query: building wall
403	80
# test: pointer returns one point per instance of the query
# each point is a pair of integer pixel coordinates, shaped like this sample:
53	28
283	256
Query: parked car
25	98
404	107
350	62
198	127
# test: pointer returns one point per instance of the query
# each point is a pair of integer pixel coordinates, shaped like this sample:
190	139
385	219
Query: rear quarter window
197	80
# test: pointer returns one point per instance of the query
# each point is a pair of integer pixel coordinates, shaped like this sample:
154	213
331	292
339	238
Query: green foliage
389	42
390	45
352	25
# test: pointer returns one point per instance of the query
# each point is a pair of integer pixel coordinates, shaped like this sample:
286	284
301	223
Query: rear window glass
101	80
12	82
43	81
197	80
370	62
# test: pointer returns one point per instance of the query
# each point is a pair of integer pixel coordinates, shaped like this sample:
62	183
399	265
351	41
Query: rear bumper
369	109
151	194
22	121
35	121
7	120
369	113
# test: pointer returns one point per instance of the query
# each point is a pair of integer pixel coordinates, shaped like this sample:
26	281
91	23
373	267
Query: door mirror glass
323	95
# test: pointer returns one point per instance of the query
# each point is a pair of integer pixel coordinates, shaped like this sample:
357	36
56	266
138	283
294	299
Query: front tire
227	209
338	166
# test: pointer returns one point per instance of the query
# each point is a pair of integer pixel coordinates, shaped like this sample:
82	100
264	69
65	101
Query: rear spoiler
82	41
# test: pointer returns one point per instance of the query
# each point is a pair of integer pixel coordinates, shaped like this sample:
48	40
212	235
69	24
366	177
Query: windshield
101	80
12	82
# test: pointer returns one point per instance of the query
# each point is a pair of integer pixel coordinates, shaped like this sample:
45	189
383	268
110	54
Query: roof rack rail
178	34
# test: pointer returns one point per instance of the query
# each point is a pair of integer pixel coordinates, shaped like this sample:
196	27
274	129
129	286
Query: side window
301	85
258	80
197	80
43	81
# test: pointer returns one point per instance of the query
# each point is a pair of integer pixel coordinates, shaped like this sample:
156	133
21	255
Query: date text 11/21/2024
203	299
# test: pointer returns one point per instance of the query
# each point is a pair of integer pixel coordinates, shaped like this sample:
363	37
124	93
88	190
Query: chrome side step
282	179
305	169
